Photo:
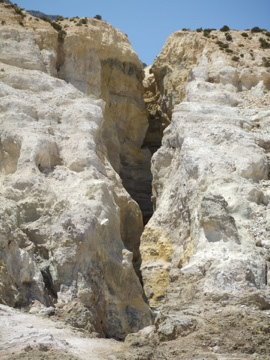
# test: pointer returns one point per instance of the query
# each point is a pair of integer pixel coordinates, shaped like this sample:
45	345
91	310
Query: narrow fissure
137	180
135	171
137	177
48	282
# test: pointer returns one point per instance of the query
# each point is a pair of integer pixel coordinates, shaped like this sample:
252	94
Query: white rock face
59	213
205	251
72	121
211	188
66	223
99	61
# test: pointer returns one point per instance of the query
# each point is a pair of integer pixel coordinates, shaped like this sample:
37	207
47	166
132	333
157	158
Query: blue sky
148	23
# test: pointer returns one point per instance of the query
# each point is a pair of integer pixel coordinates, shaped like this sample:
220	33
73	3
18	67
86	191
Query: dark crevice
137	176
137	180
60	51
135	172
48	282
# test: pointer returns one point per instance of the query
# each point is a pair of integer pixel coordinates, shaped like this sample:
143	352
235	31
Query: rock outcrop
98	60
75	148
68	227
206	246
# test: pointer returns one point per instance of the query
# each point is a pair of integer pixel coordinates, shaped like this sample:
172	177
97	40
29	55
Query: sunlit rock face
98	60
74	146
67	226
207	242
211	175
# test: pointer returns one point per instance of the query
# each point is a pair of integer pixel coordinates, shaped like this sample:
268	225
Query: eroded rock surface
73	126
206	243
68	228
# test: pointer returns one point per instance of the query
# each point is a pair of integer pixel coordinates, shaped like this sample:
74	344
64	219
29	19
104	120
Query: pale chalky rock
211	174
99	61
240	62
66	221
74	140
205	253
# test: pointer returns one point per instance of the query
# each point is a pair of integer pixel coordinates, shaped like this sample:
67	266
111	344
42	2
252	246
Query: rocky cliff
69	230
205	251
76	142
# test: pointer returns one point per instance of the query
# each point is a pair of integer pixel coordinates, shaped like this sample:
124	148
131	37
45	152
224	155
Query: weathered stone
205	250
171	327
209	177
145	337
69	231
73	126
